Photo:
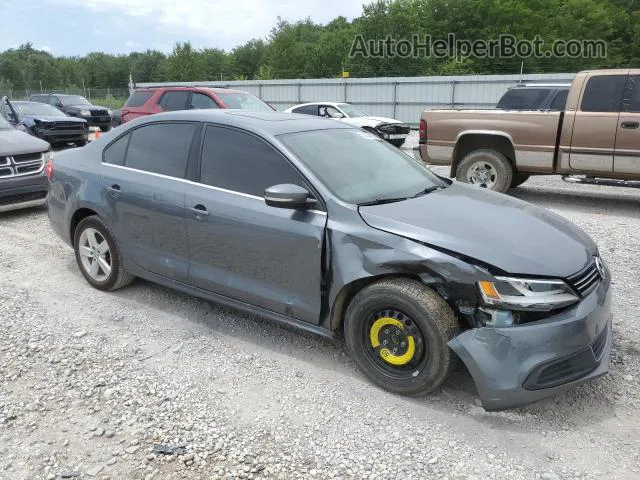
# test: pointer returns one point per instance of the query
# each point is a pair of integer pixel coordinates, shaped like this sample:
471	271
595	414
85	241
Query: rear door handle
114	190
630	125
199	210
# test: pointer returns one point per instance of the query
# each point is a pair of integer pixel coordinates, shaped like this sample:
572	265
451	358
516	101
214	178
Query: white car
394	131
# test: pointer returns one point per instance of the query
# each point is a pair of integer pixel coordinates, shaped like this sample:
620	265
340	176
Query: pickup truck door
596	122
627	153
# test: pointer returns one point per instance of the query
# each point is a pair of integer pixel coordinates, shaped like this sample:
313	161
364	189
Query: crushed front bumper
522	364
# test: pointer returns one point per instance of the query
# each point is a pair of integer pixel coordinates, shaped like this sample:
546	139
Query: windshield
351	111
244	101
74	100
359	167
39	109
4	125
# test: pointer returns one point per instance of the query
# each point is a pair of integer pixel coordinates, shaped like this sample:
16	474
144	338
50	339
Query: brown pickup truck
595	140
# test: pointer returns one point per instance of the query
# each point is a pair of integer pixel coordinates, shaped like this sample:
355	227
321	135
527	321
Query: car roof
320	103
192	88
541	85
25	102
272	123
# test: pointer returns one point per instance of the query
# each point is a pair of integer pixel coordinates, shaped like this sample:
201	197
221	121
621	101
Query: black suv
77	106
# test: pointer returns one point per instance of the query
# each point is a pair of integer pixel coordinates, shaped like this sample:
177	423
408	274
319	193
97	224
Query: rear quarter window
137	99
114	154
161	148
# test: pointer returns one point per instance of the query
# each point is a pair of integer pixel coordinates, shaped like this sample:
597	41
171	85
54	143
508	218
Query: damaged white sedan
393	131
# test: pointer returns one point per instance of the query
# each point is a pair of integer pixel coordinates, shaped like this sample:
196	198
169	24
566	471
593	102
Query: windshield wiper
427	190
382	201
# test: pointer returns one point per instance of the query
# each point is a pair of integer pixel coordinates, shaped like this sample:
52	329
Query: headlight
526	294
109	112
85	113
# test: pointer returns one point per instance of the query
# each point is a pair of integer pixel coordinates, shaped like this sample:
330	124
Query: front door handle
114	190
199	210
630	125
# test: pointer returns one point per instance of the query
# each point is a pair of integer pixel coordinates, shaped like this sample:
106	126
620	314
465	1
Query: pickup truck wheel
519	179
98	255
486	169
397	331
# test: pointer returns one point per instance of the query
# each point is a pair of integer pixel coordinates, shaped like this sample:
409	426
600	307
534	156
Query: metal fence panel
403	98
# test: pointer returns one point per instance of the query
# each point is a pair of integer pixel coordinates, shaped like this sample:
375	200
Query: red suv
150	100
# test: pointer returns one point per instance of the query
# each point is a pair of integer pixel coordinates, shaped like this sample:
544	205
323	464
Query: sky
76	27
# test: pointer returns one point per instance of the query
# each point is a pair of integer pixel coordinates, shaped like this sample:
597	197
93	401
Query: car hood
84	107
507	233
57	118
369	121
15	142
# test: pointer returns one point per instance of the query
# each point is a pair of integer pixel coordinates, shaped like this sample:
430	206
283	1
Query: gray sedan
323	226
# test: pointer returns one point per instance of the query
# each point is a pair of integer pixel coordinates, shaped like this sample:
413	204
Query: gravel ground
92	382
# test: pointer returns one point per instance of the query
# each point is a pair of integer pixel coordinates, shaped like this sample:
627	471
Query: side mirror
288	196
57	105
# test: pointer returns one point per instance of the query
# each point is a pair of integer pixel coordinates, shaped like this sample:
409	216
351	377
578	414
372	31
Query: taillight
48	167
422	132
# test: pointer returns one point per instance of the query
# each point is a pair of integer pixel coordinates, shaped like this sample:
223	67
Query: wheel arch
349	290
79	215
469	141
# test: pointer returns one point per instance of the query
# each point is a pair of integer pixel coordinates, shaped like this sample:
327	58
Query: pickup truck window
560	102
634	100
523	98
603	93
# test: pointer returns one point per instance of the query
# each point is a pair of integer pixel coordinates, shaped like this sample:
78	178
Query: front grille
26	157
600	343
67	126
99	113
22	198
21	165
585	281
395	129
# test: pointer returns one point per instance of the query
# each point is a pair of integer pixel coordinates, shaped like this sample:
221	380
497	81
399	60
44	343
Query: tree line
305	49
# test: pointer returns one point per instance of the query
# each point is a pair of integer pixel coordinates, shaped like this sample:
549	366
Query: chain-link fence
107	97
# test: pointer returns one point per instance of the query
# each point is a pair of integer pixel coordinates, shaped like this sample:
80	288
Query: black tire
488	160
397	142
117	278
105	128
431	318
519	179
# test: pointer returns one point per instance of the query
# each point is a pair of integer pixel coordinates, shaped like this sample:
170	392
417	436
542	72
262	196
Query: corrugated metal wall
403	98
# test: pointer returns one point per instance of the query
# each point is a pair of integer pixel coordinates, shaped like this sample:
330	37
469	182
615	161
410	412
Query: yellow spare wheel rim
389	337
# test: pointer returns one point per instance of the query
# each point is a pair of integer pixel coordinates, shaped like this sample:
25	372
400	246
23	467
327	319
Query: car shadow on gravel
593	201
22	213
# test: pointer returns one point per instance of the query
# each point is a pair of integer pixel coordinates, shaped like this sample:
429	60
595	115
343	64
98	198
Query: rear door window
172	101
161	148
307	110
199	100
603	93
137	99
